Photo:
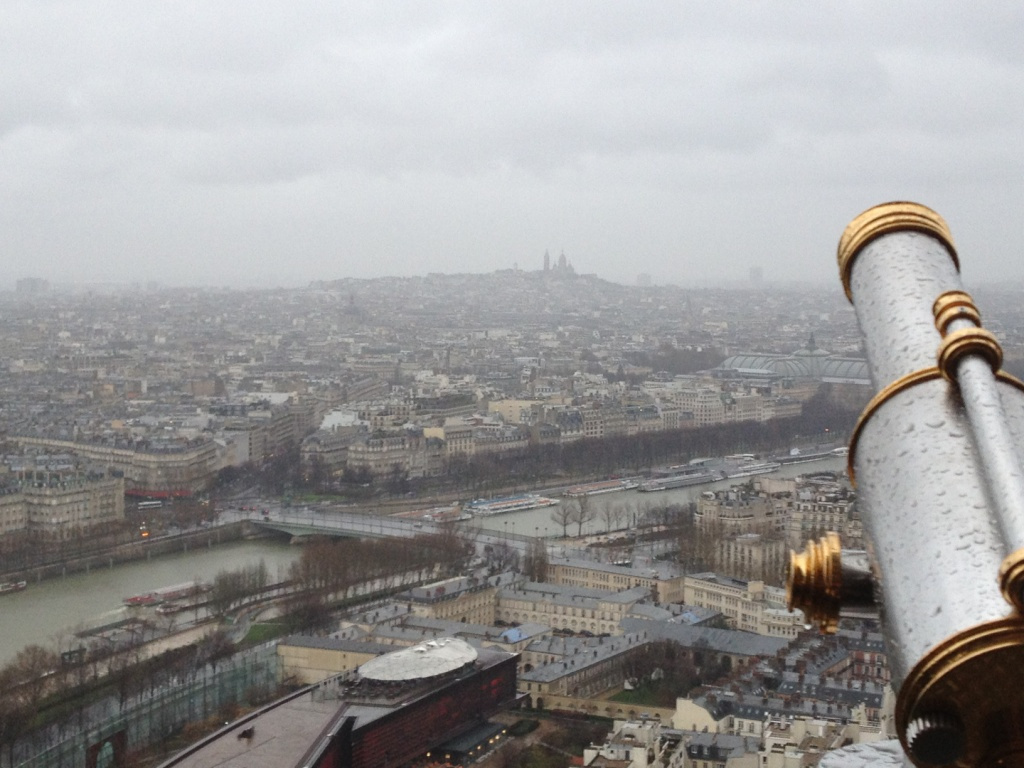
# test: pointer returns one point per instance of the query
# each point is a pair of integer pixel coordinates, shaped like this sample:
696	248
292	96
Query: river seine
50	611
538	522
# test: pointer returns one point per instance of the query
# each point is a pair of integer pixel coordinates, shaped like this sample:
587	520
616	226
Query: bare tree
698	545
564	514
502	557
583	514
608	517
15	713
535	563
33	665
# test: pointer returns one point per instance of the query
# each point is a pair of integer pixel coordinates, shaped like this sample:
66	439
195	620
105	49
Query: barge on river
505	504
680	477
750	468
167	594
603	486
10	587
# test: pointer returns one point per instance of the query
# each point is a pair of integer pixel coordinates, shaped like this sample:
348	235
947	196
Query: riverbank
202	538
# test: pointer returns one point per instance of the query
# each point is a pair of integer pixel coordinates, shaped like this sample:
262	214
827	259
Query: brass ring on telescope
883	220
814	582
1010	379
970	675
1011	579
881	397
968	341
903	383
954	305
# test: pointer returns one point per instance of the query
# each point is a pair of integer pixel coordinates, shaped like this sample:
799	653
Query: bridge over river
303	521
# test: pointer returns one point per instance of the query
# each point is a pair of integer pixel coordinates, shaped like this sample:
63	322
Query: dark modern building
394	711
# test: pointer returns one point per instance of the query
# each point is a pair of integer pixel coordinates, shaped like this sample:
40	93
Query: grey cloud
418	137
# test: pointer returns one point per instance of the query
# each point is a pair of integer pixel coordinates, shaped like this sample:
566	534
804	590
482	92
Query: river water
49	611
632	504
46	613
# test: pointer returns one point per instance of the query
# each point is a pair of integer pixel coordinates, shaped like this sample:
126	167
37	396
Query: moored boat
10	587
167	594
800	456
141	600
450	514
681	480
602	486
505	504
747	469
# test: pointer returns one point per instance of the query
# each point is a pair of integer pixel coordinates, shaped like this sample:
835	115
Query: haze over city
269	144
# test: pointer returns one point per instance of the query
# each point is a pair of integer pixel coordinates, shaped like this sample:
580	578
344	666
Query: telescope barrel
920	486
935	458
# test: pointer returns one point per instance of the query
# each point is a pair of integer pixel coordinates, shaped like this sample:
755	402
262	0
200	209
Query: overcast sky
264	143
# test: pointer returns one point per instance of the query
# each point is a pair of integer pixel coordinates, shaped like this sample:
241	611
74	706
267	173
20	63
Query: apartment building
631	744
13	511
810	518
802	741
573	608
718	750
644	418
61	505
328	448
570	424
754	556
736	511
386	414
663	580
517	411
381	452
496	438
456	434
747	605
178	468
465	599
592	670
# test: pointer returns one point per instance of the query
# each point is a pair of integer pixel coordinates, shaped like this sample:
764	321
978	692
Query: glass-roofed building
808	363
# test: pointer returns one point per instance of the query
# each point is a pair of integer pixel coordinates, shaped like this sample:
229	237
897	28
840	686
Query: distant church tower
547	261
562	264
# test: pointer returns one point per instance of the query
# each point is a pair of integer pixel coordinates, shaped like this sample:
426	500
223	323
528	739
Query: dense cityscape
144	421
511	385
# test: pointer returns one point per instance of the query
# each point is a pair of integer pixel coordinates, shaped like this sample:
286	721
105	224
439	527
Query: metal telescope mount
935	460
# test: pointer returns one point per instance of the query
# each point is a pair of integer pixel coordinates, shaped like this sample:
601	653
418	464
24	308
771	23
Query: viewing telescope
935	460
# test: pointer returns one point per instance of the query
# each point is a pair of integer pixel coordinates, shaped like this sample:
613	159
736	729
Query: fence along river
50	611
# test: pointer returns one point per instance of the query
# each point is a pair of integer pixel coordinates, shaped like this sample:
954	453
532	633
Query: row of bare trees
232	588
23	682
45	692
591	457
336	566
576	511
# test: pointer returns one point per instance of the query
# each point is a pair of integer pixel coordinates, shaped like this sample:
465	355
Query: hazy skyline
271	143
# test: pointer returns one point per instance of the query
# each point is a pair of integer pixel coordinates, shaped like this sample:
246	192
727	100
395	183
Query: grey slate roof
656	569
585	656
731	641
561	594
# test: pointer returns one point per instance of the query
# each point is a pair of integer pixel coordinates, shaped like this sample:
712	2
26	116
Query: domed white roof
427	659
